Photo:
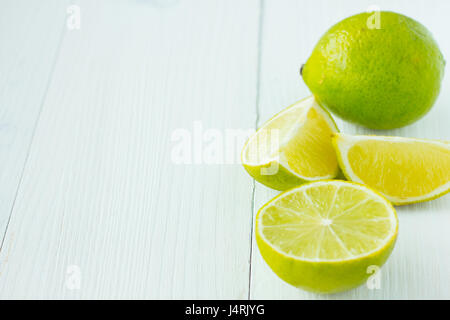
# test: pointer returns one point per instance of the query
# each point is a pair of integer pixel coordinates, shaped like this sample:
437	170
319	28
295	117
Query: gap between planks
44	96
258	87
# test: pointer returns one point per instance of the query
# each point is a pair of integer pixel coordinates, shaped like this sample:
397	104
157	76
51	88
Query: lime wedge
293	147
404	170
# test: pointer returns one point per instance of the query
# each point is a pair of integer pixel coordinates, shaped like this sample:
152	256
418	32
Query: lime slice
326	236
404	170
293	147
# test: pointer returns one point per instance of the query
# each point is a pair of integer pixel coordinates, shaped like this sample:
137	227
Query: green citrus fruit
404	170
326	236
293	147
382	71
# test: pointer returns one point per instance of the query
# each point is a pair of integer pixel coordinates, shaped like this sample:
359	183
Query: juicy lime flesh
328	222
310	152
266	143
299	136
401	169
382	78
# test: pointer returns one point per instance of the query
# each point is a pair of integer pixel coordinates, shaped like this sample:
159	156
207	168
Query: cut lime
325	236
293	147
404	170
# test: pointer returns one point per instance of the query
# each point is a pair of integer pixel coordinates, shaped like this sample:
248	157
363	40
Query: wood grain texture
102	200
419	266
30	35
100	190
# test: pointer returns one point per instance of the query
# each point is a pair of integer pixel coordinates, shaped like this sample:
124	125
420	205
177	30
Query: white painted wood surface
100	190
30	35
101	199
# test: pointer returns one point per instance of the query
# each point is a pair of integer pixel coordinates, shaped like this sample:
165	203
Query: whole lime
382	70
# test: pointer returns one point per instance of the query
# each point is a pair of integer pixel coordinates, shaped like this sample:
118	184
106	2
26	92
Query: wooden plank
30	34
104	210
418	267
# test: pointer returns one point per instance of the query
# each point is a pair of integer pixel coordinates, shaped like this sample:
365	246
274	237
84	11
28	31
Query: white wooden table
93	200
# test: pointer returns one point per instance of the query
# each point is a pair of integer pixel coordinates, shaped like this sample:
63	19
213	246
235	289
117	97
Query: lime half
326	236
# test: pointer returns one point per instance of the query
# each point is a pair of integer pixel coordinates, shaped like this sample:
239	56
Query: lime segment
405	170
293	147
